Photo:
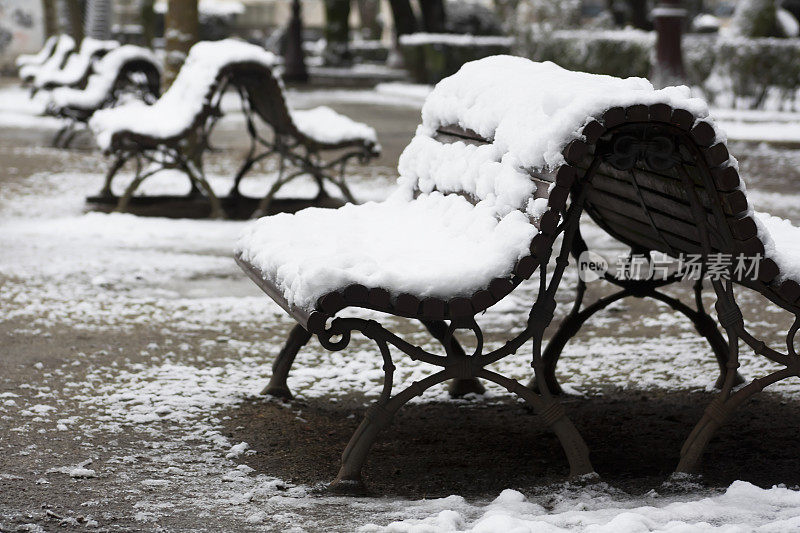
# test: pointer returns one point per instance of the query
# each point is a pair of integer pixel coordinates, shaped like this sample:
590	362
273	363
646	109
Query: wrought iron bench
645	164
39	57
128	72
76	70
193	106
64	47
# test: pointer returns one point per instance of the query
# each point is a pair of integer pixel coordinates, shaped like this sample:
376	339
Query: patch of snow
325	125
454	39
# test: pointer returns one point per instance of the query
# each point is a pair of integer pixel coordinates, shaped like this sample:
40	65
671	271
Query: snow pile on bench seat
177	109
782	244
39	57
100	84
64	46
434	246
326	126
77	64
530	111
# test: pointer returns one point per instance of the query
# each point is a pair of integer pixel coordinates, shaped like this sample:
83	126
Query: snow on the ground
121	275
742	507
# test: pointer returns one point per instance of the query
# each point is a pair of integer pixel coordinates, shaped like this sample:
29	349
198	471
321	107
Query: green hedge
745	69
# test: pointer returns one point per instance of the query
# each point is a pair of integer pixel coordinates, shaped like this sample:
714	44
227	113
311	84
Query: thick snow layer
64	47
177	108
101	82
435	246
529	110
39	57
742	507
77	64
532	110
325	125
782	243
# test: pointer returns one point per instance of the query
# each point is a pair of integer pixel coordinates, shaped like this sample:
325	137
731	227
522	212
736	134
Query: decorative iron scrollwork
658	152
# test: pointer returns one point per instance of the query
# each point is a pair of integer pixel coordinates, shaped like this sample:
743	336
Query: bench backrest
78	66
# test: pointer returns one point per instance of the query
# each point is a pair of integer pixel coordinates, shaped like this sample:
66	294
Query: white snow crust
178	107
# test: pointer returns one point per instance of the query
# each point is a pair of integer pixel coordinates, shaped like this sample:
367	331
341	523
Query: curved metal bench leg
119	162
459	387
378	416
277	385
197	178
554	417
572	323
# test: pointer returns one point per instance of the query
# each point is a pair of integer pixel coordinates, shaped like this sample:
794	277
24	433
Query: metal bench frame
261	96
694	144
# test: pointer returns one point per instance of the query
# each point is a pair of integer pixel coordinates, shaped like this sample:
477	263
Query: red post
668	19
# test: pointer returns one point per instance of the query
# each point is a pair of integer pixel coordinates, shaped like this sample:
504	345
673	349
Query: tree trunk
75	16
50	17
433	15
181	26
337	31
405	21
148	16
368	11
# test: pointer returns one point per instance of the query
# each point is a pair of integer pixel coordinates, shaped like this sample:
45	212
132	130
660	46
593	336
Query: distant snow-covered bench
41	56
77	69
174	132
125	73
510	153
64	47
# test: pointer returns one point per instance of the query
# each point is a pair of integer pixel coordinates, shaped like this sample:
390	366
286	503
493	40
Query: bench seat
438	246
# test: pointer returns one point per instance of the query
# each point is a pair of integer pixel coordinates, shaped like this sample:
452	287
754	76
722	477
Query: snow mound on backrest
100	83
530	111
177	108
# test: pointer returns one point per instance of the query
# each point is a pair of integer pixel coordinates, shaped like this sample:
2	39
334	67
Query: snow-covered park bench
509	155
64	47
39	57
76	70
123	74
174	132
